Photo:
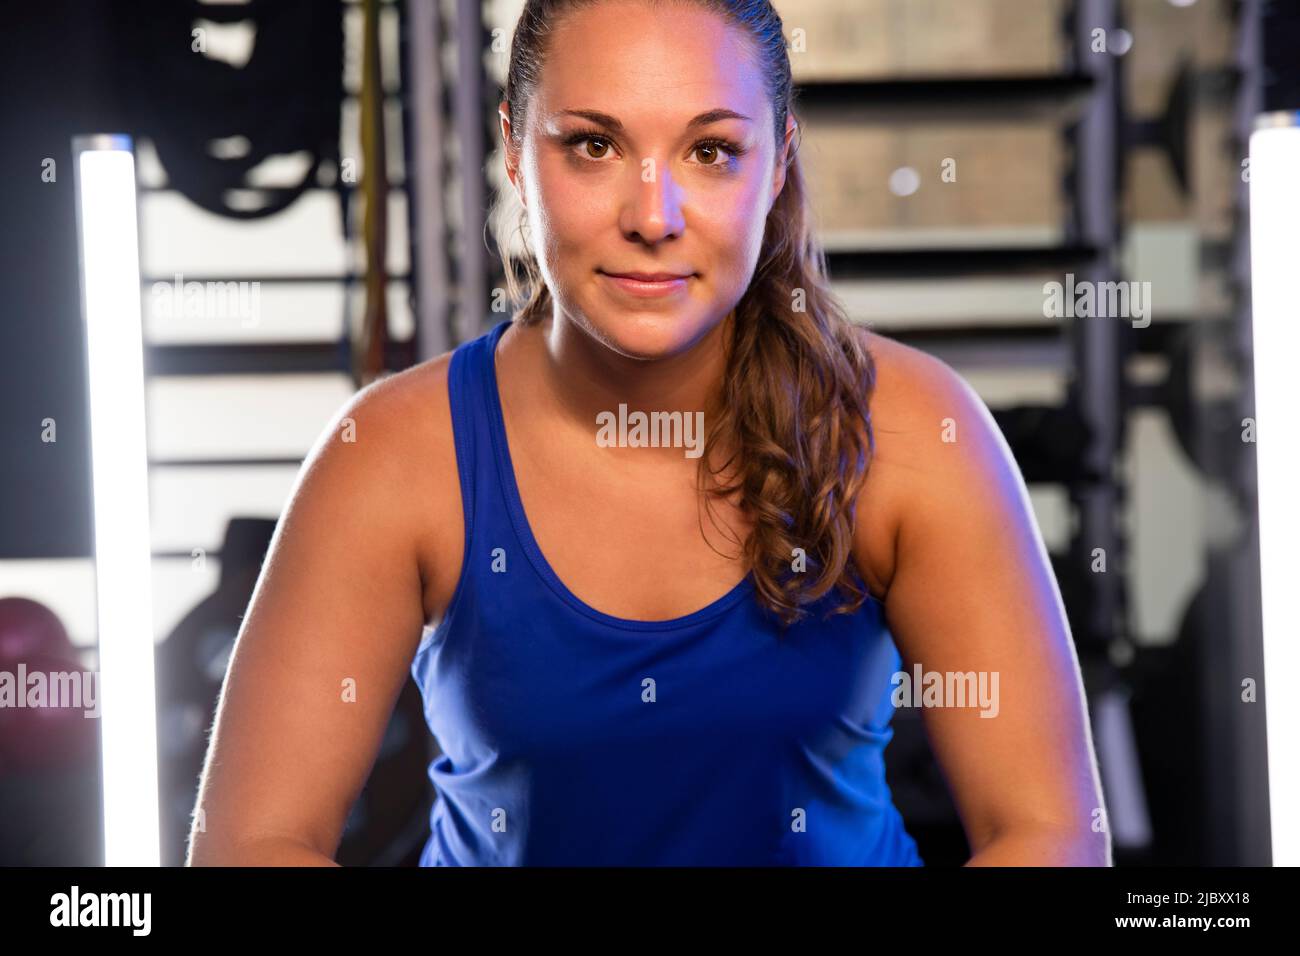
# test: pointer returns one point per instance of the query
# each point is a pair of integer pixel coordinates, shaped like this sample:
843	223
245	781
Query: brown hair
794	400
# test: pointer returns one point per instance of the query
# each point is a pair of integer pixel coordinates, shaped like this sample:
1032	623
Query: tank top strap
470	377
484	505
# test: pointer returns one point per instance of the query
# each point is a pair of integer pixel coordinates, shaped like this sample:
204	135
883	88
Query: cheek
569	214
730	223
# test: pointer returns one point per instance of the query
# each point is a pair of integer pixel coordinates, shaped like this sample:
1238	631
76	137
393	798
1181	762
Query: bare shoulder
932	432
399	423
912	385
404	424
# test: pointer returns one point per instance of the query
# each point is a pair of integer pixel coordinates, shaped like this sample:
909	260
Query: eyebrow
614	126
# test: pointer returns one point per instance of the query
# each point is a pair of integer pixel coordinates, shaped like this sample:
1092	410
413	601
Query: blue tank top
572	738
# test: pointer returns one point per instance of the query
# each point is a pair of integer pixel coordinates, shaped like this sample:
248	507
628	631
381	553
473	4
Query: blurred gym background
339	158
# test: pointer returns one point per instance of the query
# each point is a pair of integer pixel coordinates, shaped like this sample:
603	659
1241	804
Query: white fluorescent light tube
1274	220
104	168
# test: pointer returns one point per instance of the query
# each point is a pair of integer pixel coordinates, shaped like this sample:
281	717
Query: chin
649	333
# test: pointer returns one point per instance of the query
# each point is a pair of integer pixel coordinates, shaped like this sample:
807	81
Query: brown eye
707	150
603	146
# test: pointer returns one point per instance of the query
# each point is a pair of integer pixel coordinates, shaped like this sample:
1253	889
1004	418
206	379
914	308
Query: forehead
645	63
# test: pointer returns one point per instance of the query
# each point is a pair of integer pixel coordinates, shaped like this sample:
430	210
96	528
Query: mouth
648	284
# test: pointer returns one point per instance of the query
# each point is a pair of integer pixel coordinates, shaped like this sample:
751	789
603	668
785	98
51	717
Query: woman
613	678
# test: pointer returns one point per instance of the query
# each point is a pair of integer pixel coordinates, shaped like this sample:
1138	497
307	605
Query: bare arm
322	653
972	592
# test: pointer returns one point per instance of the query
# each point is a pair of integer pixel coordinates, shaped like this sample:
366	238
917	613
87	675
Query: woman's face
657	177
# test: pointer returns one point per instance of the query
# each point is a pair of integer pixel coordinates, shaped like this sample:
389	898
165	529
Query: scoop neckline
524	530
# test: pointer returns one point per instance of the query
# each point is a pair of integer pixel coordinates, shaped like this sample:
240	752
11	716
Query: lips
650	276
646	285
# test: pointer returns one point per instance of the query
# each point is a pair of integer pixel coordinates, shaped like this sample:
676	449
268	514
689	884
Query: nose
654	211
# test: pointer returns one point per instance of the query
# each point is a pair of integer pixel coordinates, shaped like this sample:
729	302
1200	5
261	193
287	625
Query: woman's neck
588	379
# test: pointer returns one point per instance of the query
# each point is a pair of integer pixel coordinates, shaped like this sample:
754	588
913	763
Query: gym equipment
284	100
56	734
29	627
